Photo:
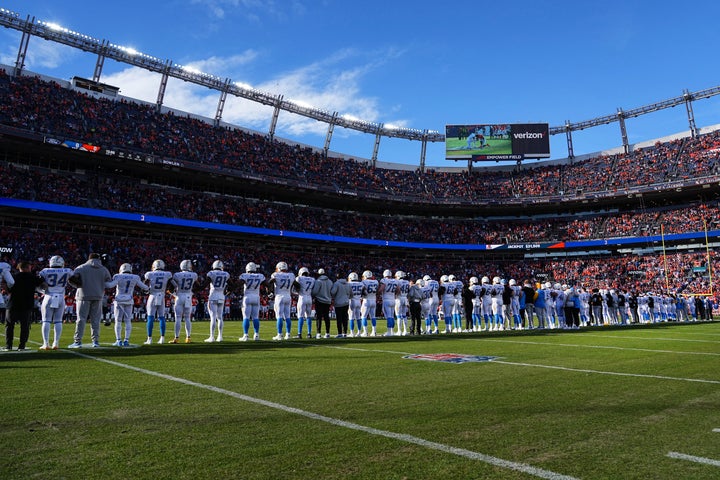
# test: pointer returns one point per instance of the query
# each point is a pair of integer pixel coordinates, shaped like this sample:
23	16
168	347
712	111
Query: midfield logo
451	358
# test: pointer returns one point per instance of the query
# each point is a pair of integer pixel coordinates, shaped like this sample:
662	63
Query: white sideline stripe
652	338
716	430
601	372
494	461
609	347
692	458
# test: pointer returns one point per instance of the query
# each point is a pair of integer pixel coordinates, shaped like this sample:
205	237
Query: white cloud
41	54
322	85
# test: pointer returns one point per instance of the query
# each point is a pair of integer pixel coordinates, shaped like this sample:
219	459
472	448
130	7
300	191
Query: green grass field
495	146
607	403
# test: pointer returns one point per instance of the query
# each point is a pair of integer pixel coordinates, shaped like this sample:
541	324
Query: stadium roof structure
167	68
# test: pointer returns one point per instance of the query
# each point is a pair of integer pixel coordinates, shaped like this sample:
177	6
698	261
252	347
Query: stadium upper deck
120	129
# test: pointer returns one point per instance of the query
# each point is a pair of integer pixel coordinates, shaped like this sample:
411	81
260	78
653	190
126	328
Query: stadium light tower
623	130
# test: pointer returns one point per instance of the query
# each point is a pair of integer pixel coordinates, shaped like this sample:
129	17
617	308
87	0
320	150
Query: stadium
86	170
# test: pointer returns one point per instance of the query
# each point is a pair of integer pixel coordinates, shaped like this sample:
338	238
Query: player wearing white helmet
515	303
55	278
550	313
251	281
447	297
157	280
183	282
6	275
368	308
458	306
281	282
218	279
388	291
496	292
476	292
432	320
401	302
355	311
303	286
124	283
424	305
486	296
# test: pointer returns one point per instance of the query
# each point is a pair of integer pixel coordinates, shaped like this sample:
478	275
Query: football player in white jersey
157	280
251	281
487	309
402	305
476	291
183	282
424	303
388	292
447	294
431	324
358	290
281	282
303	285
124	283
369	303
458	306
55	279
218	279
496	294
515	304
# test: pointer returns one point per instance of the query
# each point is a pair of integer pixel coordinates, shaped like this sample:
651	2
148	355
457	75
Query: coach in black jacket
21	305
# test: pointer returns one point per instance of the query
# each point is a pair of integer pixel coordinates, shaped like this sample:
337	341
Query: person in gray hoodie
321	294
91	279
341	293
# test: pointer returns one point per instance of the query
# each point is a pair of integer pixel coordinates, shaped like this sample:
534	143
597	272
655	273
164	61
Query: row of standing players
405	303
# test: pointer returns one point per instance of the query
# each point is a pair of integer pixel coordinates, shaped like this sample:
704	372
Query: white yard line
596	346
692	458
601	372
651	338
494	461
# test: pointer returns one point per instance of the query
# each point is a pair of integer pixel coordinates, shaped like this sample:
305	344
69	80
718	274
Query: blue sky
412	64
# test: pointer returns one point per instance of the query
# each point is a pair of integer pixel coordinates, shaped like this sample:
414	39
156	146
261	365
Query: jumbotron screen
510	141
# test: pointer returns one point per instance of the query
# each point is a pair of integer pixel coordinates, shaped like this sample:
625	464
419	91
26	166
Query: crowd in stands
46	107
122	194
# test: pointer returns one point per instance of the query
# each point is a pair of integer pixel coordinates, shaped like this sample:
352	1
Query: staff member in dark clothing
21	305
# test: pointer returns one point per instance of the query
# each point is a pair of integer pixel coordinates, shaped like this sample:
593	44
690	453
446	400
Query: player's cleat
298	336
54	347
126	343
75	345
162	340
256	337
363	334
287	336
219	339
118	343
209	340
327	335
277	337
318	336
187	340
244	338
44	347
174	340
148	341
96	344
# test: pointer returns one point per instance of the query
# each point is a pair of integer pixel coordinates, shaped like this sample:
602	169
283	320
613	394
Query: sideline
494	461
